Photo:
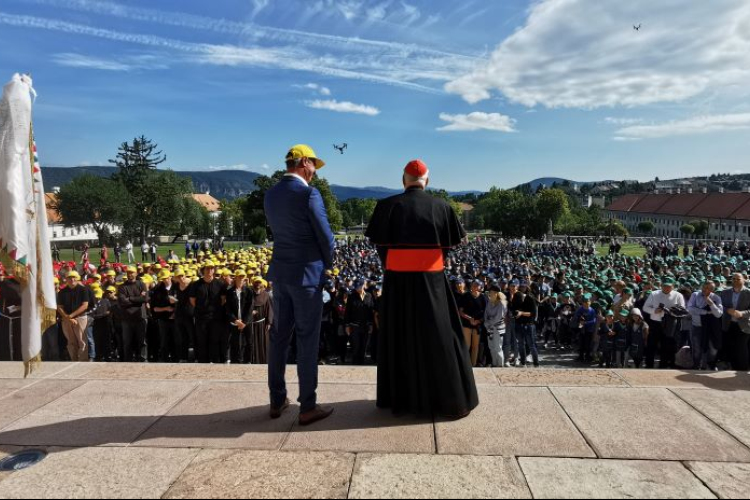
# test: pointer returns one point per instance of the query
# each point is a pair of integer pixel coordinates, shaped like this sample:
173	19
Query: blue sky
487	92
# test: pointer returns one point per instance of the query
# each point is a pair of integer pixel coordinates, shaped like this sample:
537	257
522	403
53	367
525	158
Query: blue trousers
297	309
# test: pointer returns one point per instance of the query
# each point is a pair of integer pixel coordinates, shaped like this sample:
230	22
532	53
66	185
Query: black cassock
424	365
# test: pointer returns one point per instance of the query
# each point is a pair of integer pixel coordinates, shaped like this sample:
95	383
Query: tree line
144	202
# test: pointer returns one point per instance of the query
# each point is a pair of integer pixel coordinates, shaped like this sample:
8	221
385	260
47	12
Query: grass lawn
628	250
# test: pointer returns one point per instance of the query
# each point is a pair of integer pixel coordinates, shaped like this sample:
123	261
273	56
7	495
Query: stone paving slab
9	386
647	424
513	422
247	474
727	481
99	473
32	396
358	426
222	415
721	381
509	377
97	414
14	370
730	410
572	478
434	476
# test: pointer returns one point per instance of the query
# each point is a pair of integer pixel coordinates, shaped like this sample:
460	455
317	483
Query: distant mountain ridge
222	184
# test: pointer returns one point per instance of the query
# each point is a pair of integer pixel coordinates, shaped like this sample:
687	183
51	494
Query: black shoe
276	413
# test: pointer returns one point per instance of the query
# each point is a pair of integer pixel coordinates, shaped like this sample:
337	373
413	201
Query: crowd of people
677	306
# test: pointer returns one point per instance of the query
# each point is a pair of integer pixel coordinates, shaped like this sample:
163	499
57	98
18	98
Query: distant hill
222	184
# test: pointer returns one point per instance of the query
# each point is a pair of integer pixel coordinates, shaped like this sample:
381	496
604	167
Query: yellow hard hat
165	275
111	289
74	274
147	279
305	151
132	269
98	294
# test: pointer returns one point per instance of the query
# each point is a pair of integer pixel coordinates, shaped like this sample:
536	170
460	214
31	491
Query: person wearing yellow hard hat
262	322
163	307
102	327
72	306
210	331
183	317
303	250
132	296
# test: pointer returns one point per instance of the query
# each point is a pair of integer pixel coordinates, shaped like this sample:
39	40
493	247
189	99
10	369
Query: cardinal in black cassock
424	366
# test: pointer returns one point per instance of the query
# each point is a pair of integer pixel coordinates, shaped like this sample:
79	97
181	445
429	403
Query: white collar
297	177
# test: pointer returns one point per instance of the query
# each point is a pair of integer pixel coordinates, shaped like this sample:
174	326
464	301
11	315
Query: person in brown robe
262	319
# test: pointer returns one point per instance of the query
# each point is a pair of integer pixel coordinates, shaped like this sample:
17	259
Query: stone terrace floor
189	431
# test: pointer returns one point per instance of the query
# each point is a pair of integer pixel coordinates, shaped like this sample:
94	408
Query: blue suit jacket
303	242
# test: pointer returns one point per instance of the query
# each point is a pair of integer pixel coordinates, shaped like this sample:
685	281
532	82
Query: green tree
357	211
687	230
552	204
95	201
613	228
701	227
156	197
192	217
646	227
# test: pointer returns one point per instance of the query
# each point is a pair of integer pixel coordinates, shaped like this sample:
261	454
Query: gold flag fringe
14	268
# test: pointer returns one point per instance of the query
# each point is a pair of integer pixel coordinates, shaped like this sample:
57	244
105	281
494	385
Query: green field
69	255
628	250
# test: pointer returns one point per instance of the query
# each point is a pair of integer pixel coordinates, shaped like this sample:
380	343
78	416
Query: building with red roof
728	214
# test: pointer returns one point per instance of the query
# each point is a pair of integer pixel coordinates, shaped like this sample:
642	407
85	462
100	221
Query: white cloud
477	121
344	107
87	62
623	122
586	54
375	69
259	6
692	126
124	64
324	91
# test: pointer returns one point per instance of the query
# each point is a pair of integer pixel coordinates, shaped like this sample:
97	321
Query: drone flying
341	148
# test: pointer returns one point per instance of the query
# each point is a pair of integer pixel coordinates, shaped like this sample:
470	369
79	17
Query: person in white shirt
657	306
706	309
129	250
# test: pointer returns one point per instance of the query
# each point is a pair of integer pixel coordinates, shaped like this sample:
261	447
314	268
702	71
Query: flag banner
24	240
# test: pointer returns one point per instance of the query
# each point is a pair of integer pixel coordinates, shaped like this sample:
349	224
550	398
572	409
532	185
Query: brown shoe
316	415
277	412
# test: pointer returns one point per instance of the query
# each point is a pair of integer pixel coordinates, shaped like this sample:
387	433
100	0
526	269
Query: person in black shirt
206	297
133	297
526	312
360	319
163	307
184	320
102	315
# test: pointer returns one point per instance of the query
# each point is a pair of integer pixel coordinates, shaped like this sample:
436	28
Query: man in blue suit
302	252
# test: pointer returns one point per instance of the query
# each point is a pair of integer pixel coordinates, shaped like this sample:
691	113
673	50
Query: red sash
415	261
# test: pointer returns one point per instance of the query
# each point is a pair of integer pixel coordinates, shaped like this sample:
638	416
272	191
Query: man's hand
240	325
735	314
349	331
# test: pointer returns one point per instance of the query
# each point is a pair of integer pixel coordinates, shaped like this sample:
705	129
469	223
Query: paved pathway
189	431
